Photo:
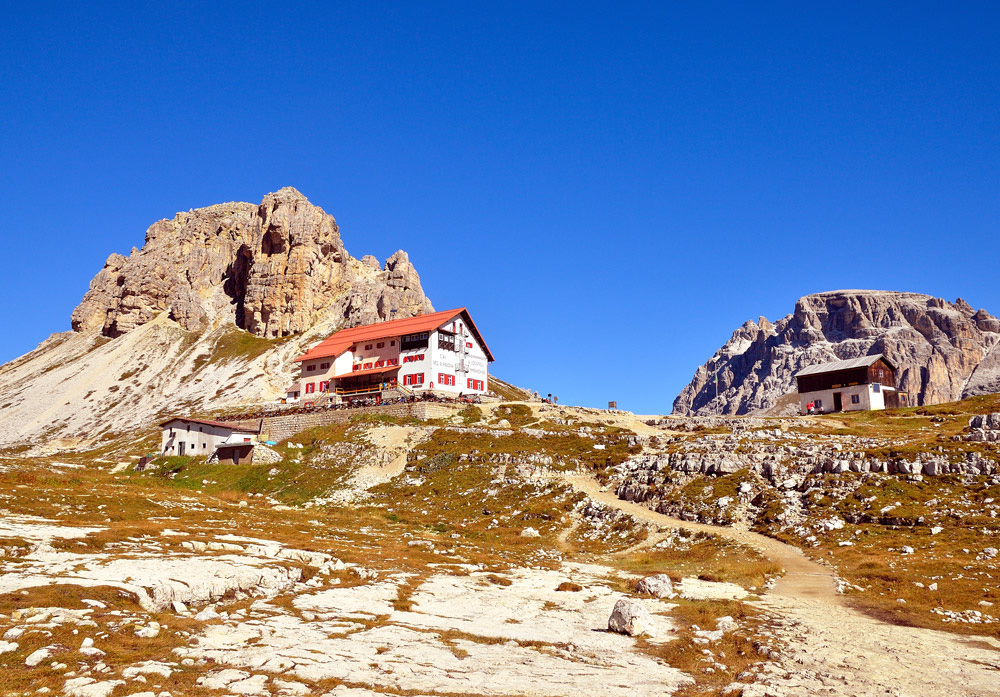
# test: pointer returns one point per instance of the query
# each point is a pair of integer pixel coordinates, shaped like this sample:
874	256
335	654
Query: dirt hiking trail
830	648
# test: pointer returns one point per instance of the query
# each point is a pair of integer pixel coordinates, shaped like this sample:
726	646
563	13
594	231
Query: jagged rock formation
208	314
945	351
271	269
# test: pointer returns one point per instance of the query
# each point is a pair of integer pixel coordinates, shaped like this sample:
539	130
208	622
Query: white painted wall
868	398
465	363
199	440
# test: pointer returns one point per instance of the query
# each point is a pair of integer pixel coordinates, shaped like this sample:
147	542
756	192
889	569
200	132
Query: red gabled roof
337	343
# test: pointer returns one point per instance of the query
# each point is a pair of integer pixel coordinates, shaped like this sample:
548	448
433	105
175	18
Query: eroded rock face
272	269
945	351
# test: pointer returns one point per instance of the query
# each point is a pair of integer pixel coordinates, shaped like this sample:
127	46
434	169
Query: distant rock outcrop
945	351
209	314
272	269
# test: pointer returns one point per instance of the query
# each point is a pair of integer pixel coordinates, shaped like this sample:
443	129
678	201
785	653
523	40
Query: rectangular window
446	379
380	344
310	387
819	404
368	366
324	366
474	384
310	368
392	343
468	344
855	399
414	379
356	366
368	347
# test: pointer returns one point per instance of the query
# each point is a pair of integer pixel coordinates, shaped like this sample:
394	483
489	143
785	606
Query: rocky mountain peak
944	350
272	269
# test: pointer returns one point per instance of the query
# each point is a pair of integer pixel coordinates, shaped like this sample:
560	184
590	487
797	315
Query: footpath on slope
832	649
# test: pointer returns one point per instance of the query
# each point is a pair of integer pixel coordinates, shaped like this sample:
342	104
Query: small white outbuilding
201	438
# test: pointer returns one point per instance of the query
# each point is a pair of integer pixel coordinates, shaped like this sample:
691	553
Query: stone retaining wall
278	428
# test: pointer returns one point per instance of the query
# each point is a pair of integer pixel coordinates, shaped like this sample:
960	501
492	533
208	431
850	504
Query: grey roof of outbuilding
834	366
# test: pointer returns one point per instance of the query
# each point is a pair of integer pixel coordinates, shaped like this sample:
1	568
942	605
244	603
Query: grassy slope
964	507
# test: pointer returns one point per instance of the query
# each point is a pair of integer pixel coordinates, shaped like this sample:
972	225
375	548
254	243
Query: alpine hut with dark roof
856	384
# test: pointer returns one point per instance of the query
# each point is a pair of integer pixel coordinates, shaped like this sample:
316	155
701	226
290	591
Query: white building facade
442	352
200	438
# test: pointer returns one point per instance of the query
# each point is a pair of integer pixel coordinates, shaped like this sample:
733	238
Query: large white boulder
658	586
632	618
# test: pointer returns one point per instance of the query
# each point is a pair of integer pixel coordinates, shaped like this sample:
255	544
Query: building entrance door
180	448
838	402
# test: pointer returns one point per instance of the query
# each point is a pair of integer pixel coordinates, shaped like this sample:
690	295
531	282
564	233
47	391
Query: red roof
337	343
221	424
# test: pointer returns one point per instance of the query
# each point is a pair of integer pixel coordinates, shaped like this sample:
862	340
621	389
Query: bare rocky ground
479	557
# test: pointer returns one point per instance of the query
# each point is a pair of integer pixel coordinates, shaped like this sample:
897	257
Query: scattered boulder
87	648
89	687
149	631
658	586
726	623
632	618
36	657
530	532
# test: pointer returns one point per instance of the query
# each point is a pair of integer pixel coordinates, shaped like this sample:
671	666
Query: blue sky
610	189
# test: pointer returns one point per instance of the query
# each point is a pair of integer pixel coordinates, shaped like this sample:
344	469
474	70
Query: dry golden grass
737	651
709	558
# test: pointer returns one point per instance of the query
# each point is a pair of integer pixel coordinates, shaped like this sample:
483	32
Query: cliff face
945	351
270	269
208	314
